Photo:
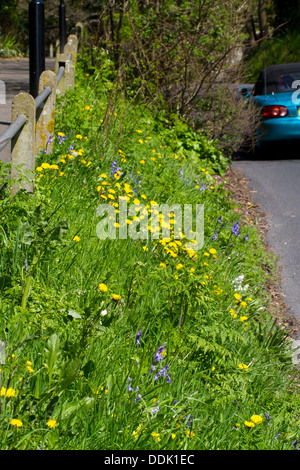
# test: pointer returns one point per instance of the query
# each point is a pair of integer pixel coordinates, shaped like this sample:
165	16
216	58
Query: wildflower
243	366
256	419
243	318
190	433
10	392
267	418
236	229
138	336
173	435
220	219
179	266
79	136
237	296
30	370
213	251
138	397
163	265
249	424
103	287
17	423
276	435
295	444
51	423
116	297
145	248
156	409
243	304
160	353
156	436
76	238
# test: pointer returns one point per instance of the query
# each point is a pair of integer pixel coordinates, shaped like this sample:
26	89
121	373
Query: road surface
274	182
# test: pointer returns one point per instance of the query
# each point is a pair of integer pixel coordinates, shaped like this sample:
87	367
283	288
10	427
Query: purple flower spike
295	444
138	337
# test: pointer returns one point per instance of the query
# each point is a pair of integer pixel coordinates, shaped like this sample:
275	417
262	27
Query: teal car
276	94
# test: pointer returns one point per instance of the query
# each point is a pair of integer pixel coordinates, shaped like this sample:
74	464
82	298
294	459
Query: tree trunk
262	16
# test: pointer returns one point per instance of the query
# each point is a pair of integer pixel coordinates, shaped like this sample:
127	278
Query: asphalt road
274	181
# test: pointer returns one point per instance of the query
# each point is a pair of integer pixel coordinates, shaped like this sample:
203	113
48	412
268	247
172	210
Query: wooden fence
33	119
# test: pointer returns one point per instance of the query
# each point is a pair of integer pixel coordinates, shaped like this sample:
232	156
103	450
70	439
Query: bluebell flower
138	397
138	336
295	444
50	140
236	229
220	219
267	418
215	236
155	410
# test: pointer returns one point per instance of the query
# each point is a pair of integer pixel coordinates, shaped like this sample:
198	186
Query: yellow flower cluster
255	419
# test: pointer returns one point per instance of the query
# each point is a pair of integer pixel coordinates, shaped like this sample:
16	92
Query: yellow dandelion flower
249	424
243	366
243	318
51	423
103	287
256	419
237	296
17	423
76	238
116	297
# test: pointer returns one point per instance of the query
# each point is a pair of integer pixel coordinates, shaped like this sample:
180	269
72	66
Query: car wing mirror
244	92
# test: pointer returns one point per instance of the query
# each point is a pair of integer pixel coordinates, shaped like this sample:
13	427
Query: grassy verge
133	343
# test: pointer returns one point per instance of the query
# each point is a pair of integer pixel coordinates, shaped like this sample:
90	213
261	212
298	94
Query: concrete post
71	48
23	144
65	61
45	114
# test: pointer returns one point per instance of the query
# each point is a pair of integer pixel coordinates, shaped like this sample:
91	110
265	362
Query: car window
286	81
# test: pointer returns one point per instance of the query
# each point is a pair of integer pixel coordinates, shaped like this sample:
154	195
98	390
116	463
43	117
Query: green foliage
279	49
132	343
9	46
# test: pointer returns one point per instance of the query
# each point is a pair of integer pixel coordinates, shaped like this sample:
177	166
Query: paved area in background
15	74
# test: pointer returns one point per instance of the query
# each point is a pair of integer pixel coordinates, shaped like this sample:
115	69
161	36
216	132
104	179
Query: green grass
72	354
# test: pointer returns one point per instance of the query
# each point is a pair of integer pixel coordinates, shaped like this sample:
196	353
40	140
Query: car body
278	101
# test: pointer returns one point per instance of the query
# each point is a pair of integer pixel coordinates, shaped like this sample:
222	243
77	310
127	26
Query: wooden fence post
23	144
45	113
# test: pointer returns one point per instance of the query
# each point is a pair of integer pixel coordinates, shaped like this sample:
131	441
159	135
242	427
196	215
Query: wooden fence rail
33	120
